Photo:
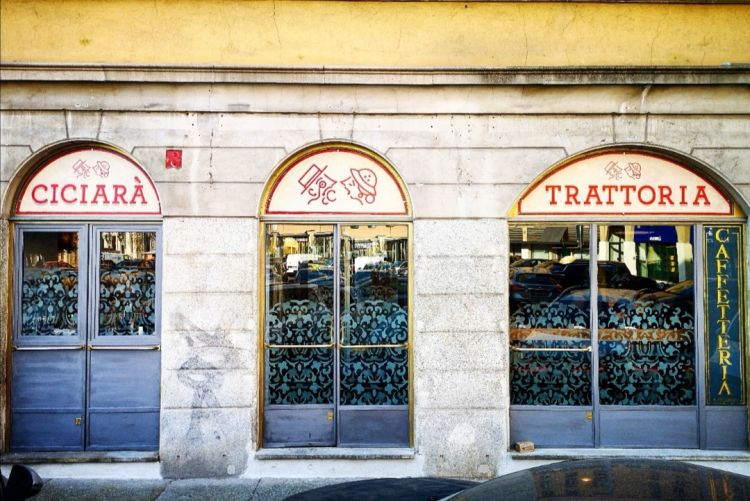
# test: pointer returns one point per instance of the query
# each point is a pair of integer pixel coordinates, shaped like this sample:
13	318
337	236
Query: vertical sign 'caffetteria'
725	321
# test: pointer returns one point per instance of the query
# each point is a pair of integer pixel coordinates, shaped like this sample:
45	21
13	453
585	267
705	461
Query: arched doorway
86	274
336	305
628	305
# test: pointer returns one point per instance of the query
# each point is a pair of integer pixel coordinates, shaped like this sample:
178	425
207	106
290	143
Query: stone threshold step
666	454
361	453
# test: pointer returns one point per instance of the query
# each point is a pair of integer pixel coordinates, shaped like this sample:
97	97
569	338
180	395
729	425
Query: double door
611	356
86	333
336	335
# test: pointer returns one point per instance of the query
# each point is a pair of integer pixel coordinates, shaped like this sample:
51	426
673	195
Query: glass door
124	358
646	336
635	305
550	336
86	360
299	347
374	336
49	338
336	333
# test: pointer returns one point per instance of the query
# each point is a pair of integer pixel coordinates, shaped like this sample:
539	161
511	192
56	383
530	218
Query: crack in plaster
276	27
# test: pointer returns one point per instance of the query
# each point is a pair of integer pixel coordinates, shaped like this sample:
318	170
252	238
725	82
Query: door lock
589	415
330	415
78	421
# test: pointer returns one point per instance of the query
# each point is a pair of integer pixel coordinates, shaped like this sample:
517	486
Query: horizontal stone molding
568	75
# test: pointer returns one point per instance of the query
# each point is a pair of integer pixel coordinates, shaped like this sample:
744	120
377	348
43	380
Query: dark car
613	479
531	287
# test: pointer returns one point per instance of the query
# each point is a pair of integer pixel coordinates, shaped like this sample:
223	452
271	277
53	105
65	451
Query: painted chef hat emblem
360	185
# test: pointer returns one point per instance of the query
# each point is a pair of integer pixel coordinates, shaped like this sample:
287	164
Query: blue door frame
73	387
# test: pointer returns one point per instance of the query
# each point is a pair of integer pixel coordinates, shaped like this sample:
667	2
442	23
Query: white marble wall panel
83	124
464	388
205	165
208	388
209	273
212	312
450	201
210	235
687	133
458	313
266	131
482	351
460	442
129	130
629	128
33	128
210	349
573	133
11	158
459	275
202	443
694	100
210	199
471	237
744	190
472	166
733	163
336	126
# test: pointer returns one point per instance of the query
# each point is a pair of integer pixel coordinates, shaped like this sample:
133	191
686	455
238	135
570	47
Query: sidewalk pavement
229	489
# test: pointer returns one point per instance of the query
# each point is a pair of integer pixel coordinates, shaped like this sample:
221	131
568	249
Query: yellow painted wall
371	34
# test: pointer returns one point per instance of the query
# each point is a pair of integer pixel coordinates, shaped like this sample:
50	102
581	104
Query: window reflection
550	324
644	311
374	315
49	301
299	315
646	323
127	283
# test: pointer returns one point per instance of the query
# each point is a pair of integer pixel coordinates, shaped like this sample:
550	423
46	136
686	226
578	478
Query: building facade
370	239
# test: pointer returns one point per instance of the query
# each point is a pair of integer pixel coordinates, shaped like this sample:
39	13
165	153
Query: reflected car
611	479
527	263
531	287
680	294
610	274
607	297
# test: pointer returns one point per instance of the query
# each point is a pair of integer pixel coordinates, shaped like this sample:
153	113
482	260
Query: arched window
336	304
628	305
85	303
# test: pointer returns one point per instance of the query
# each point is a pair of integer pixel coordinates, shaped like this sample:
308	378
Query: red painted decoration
174	159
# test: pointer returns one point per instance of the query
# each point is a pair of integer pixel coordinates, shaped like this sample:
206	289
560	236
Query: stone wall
465	154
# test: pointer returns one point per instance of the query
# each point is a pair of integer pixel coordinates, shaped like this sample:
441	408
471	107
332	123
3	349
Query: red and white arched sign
89	181
336	179
624	183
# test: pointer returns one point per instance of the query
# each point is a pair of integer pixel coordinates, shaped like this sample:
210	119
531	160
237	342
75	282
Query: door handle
47	348
135	348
